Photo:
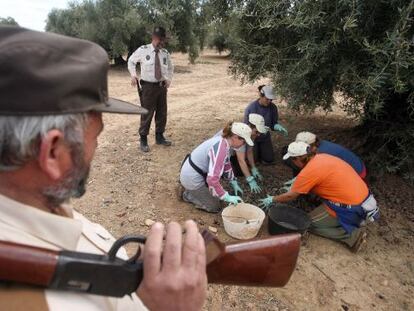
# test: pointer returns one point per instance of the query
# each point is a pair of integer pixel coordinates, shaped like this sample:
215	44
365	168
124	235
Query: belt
195	167
159	83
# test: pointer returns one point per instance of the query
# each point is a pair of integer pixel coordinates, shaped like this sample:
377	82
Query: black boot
160	140
144	143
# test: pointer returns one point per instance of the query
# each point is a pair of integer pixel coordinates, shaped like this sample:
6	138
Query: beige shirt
24	224
146	56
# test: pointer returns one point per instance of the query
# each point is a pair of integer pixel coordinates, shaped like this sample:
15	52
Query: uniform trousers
154	99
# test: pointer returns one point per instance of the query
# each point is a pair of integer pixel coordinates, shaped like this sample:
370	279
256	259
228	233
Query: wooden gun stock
266	262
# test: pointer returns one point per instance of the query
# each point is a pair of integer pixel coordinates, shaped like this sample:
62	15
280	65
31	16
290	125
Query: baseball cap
244	131
267	91
48	74
258	121
306	137
296	149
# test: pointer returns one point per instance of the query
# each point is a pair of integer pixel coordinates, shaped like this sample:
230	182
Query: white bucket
242	221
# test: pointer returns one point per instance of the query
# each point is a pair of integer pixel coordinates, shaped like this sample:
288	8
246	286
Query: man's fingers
172	248
153	250
191	245
201	257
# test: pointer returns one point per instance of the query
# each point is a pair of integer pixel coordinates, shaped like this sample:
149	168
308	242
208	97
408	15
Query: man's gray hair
20	136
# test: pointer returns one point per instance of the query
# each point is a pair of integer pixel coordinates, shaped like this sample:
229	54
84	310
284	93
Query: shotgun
139	89
266	262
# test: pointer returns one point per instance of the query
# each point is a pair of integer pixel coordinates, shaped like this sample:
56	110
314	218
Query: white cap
296	149
244	131
258	121
306	137
267	91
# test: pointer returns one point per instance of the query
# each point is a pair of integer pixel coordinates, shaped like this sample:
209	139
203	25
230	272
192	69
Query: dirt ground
126	187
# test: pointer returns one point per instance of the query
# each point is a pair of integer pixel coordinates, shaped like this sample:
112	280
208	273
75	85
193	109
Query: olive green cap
44	73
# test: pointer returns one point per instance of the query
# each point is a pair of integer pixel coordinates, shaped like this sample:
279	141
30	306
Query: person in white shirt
156	75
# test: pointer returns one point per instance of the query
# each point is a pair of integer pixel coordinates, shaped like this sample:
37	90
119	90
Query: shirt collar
64	232
152	48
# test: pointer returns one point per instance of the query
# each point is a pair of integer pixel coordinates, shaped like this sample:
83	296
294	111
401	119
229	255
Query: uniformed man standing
156	75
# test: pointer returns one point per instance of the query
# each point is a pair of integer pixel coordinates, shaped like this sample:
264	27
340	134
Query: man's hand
232	199
281	129
254	187
236	187
134	81
178	280
256	174
266	203
167	83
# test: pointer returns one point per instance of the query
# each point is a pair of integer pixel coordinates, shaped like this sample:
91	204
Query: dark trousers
154	99
263	150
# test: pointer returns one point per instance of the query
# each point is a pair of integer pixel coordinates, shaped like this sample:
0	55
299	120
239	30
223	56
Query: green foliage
361	50
121	26
8	21
223	31
219	41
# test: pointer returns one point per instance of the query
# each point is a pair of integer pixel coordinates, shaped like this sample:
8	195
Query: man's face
266	101
158	42
73	184
298	162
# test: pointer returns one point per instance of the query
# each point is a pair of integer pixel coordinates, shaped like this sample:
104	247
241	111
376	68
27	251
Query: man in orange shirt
347	201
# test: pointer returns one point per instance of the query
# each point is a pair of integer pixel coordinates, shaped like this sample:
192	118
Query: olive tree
361	50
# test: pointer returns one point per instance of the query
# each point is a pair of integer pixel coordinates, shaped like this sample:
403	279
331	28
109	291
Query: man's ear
54	155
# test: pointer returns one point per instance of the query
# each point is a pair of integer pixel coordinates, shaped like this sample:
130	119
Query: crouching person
347	201
323	146
202	169
242	159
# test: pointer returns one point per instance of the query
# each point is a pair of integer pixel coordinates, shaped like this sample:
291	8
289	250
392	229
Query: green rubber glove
236	188
266	203
254	187
256	174
280	128
232	199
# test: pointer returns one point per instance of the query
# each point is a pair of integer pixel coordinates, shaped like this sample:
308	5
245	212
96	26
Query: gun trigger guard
140	239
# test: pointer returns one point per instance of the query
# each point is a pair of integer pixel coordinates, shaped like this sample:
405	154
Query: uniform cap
306	137
296	149
267	91
258	121
49	74
244	131
159	32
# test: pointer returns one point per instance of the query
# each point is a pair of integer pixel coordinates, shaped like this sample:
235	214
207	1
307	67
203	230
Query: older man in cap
53	93
347	201
156	75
